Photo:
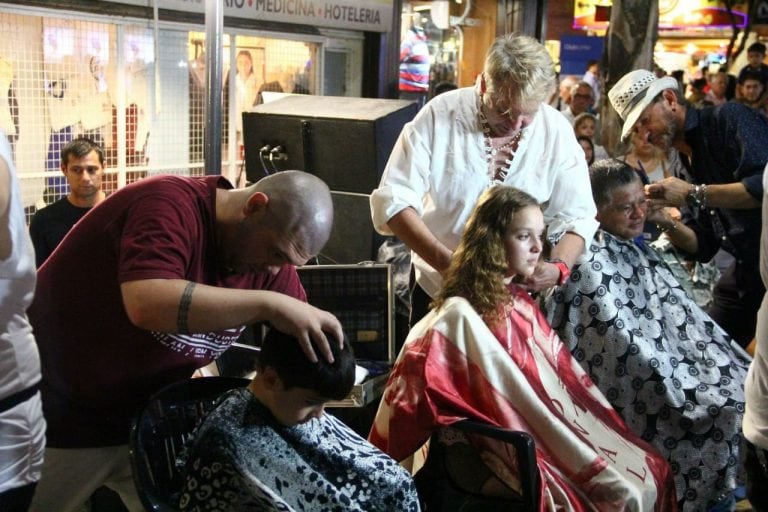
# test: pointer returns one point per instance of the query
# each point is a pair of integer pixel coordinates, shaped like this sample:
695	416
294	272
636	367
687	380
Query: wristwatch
562	266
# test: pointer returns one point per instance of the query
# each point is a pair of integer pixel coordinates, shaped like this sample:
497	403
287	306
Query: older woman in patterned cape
662	362
487	353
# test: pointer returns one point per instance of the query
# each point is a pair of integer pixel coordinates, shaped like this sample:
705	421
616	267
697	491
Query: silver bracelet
697	196
668	228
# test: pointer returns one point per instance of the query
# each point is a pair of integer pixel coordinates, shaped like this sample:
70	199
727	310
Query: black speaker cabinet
353	239
344	141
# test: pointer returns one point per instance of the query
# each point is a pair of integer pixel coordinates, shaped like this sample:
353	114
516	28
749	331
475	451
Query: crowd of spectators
599	299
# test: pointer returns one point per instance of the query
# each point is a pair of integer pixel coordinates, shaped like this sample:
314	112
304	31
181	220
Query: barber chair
439	491
161	431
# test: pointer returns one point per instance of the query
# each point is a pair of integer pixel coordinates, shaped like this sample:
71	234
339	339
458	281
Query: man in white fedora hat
724	150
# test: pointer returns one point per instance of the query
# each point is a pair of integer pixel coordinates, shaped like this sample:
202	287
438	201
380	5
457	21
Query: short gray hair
575	88
520	68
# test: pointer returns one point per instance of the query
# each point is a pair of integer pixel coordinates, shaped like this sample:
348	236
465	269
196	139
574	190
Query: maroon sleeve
160	239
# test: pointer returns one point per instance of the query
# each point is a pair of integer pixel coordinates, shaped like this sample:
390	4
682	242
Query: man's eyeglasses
502	109
628	209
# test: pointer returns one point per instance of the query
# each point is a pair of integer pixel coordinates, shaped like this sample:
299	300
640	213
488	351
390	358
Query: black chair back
161	431
439	492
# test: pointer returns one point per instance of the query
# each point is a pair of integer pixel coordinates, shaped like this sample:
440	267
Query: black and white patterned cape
660	360
242	460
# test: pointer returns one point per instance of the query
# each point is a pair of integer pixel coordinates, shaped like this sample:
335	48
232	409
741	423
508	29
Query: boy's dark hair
607	175
581	138
699	84
80	147
756	47
442	87
283	353
750	75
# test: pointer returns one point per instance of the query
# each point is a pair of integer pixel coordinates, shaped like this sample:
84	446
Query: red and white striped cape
520	376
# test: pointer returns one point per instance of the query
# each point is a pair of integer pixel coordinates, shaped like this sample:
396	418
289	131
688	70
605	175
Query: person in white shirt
465	141
592	77
22	427
755	424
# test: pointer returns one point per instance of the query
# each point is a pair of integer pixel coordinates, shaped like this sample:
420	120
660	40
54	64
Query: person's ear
670	97
271	379
482	83
256	202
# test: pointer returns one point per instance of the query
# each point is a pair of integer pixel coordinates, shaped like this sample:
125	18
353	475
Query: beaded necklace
498	174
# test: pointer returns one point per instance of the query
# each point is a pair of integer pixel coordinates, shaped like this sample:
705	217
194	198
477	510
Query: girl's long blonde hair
479	265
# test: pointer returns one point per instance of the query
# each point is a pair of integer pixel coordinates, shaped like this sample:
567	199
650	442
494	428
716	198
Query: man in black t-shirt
82	162
755	65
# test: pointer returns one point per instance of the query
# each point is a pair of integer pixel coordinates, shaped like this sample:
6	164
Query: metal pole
214	35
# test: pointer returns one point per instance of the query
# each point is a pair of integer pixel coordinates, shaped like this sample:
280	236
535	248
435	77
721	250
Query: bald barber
155	283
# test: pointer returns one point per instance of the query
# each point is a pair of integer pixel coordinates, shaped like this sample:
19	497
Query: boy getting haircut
282	352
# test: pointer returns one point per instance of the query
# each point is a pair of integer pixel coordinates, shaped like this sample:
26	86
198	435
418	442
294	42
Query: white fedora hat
635	91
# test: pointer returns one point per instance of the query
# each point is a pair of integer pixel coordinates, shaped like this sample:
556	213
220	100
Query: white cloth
247	90
22	428
594	82
755	423
6	79
438	167
94	102
601	153
569	115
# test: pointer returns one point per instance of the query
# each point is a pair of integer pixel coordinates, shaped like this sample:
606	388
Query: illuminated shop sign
673	14
365	15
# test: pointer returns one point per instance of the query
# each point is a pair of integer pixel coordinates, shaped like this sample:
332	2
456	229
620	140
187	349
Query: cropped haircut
329	380
520	69
575	88
750	75
79	148
756	47
607	175
479	264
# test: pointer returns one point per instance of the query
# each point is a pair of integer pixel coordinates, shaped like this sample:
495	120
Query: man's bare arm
175	305
678	233
674	191
408	227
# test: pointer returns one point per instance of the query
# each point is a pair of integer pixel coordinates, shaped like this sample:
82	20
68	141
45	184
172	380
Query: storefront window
428	54
143	100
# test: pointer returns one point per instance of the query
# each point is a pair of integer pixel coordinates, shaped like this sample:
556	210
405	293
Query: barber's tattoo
186	301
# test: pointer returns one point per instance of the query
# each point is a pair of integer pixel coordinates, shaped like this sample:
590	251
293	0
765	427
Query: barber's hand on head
667	192
545	276
309	325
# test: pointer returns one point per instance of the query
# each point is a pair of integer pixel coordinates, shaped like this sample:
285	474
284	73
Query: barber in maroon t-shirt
153	283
